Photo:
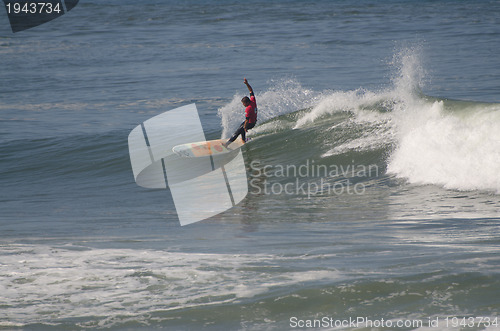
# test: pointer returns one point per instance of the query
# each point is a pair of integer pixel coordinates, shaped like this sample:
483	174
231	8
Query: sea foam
452	144
456	152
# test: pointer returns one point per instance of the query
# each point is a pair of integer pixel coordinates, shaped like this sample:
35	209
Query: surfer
250	105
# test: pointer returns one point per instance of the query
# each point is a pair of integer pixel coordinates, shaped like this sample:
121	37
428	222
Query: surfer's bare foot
225	144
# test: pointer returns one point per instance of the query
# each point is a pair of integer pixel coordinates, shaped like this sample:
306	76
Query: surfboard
206	148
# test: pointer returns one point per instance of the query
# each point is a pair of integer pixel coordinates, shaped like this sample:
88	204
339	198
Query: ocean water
374	172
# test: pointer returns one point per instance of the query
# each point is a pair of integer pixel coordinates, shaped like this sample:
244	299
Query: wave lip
283	98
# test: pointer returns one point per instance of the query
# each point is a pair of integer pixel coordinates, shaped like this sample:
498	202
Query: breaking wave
425	140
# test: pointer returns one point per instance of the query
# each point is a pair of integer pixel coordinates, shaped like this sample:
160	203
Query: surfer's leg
239	131
250	126
243	134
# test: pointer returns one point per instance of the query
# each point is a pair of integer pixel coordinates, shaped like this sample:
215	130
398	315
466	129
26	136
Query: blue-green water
374	174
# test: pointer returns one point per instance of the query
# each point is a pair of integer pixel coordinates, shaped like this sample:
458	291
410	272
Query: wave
65	158
74	286
422	139
64	284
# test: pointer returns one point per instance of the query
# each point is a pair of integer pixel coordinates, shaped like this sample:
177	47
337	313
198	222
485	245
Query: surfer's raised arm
245	81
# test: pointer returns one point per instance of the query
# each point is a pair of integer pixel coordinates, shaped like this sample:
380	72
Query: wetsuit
251	116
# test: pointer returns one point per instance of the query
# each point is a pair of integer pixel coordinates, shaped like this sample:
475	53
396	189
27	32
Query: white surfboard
206	148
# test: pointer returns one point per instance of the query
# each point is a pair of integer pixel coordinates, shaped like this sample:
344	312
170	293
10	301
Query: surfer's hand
245	81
